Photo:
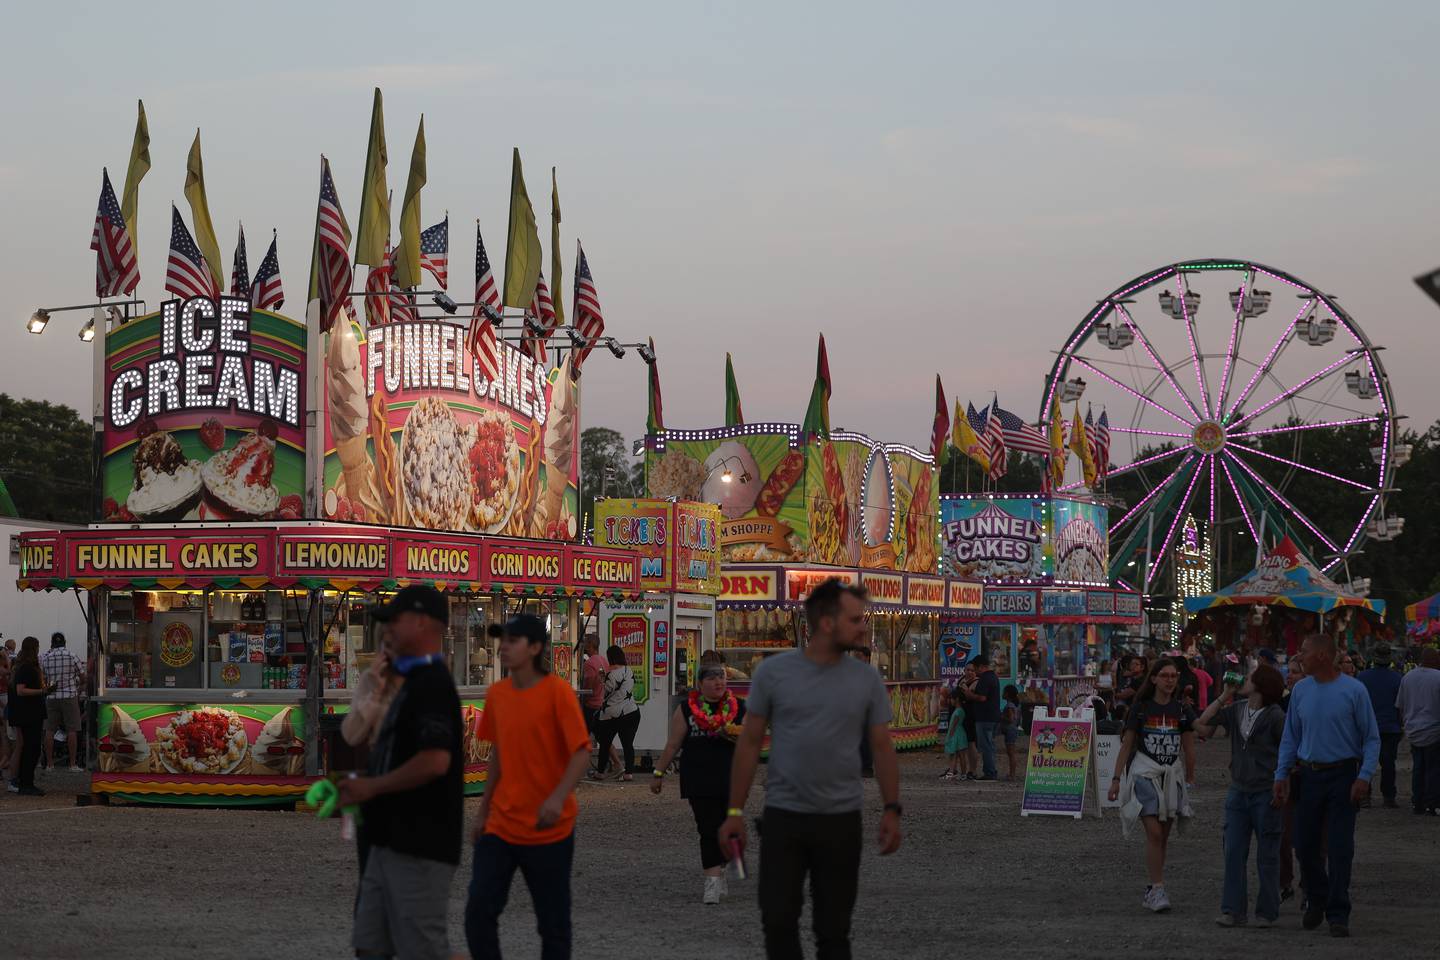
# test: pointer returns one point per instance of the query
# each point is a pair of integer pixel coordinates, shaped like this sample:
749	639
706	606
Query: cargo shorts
404	902
62	712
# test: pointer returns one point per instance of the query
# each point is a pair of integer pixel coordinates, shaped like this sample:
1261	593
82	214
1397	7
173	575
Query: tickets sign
677	545
204	405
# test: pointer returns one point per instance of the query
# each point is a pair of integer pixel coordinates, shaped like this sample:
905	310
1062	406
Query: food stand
1275	605
261	485
797	509
1049	615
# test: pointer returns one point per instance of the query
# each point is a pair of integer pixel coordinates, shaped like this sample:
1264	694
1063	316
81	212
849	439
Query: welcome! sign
1058	763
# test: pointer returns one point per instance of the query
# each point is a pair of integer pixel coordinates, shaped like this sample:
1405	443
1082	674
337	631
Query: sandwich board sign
1057	768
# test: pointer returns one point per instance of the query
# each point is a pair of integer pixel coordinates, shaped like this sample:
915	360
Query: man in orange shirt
539	751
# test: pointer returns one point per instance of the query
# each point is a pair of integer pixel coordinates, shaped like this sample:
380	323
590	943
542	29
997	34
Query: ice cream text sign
204	407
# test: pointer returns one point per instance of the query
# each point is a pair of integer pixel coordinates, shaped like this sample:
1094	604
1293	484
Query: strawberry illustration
212	434
109	508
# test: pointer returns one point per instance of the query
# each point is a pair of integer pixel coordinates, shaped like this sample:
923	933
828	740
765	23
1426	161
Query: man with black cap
412	803
539	751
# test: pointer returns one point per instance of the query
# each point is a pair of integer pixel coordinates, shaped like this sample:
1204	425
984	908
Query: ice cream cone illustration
350	420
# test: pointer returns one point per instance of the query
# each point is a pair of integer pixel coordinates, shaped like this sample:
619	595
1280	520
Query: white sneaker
713	889
75	769
12	786
1156	900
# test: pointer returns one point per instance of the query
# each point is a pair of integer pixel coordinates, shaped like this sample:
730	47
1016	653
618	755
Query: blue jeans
1247	813
985	739
1324	809
546	869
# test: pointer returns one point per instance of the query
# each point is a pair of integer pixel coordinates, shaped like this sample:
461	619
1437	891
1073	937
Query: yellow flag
374	234
1057	445
965	440
522	247
407	254
558	293
139	166
200	213
1080	443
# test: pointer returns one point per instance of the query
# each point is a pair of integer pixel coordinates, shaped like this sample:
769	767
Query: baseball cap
526	626
1266	654
416	598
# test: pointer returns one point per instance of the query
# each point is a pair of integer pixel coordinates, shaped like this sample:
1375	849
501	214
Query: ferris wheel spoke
1300	466
1295	427
1280	499
1269	362
1135	393
1234	488
1151	433
1155	358
1145	500
1195	356
1174	524
1144	461
1212	490
1314	378
1232	351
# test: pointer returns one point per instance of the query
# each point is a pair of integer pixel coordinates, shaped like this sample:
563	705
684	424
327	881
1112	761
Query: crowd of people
40	699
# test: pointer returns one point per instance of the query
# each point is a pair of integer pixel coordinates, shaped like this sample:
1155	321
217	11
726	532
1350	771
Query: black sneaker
1339	930
1287	893
989	776
31	792
1314	916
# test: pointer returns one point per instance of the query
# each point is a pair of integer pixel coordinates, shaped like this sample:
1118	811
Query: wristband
735	812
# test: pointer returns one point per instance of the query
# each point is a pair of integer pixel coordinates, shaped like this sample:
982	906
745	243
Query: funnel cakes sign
204	406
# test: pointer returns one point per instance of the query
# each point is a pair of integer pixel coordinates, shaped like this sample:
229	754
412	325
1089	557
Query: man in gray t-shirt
817	703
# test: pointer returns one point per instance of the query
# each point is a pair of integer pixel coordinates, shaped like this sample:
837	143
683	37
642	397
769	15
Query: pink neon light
1151	495
1138	396
1194	348
1281	498
1155	359
1293	463
1240	500
1348	357
1364	518
1211	458
1174	524
1300	426
1151	433
1274	276
1230	350
1269	359
1155	278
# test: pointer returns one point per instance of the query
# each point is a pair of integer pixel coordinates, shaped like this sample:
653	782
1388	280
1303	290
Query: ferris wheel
1219	389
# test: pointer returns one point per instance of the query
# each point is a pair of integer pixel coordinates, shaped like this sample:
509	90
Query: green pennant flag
734	416
817	414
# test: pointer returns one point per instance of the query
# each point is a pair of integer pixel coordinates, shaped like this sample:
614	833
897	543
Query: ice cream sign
204	414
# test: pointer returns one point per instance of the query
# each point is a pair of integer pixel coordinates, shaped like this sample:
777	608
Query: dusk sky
937	187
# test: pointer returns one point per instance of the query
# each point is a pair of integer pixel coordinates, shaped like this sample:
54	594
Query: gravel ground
150	883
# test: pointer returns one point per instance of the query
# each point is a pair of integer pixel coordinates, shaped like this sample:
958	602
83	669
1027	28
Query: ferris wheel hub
1209	437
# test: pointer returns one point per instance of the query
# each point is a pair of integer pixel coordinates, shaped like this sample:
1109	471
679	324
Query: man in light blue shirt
1333	742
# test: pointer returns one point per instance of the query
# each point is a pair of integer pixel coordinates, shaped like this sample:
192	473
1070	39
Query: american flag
333	235
1102	443
485	290
1020	435
991	436
187	275
435	251
377	293
116	270
588	318
402	303
542	309
265	290
240	270
481	338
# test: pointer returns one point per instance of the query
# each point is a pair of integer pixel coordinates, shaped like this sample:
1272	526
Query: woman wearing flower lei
702	732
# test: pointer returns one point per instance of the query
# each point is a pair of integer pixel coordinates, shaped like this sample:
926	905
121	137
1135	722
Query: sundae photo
238	481
167	483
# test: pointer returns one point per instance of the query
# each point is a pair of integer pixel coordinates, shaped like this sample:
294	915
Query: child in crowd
942	723
1010	722
956	746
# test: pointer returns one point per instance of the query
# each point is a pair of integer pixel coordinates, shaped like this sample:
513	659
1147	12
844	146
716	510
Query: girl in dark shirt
27	693
702	731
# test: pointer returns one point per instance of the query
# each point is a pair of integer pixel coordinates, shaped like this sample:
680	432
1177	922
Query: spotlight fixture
578	340
443	301
38	320
646	353
87	332
614	347
727	476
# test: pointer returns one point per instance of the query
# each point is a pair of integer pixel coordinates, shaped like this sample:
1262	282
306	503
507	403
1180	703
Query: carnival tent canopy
1427	609
1285	578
